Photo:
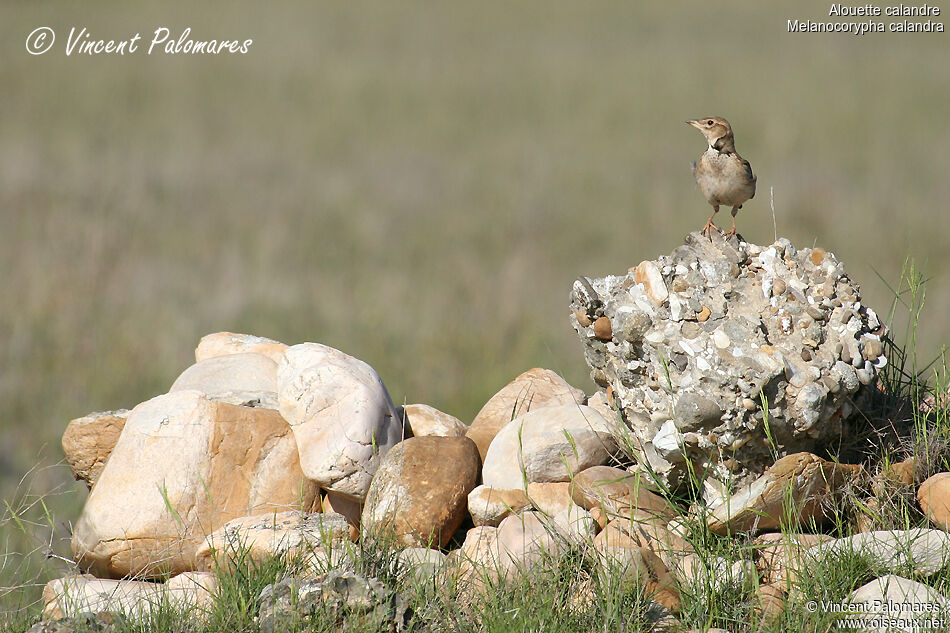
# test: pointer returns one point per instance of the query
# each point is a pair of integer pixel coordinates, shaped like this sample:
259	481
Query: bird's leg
732	231
707	230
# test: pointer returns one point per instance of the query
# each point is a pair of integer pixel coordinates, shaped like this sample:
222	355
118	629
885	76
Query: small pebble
721	339
582	318
703	315
602	329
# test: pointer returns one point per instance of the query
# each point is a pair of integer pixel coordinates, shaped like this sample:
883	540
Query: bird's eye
709	122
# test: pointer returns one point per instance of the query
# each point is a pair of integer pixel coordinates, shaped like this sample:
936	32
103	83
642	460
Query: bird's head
717	131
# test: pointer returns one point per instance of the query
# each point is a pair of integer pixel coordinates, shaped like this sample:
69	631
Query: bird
724	177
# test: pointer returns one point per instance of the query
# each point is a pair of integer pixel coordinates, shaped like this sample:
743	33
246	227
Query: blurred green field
419	184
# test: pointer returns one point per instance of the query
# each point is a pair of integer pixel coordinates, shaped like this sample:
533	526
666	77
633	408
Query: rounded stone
602	329
420	492
341	415
693	411
934	498
549	444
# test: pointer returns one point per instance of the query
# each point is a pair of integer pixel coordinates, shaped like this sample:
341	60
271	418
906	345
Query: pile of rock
261	449
724	353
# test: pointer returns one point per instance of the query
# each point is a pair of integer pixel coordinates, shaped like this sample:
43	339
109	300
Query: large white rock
926	551
917	605
534	389
341	414
71	596
244	378
183	466
548	444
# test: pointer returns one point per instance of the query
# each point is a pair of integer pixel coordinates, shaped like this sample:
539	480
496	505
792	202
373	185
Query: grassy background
418	184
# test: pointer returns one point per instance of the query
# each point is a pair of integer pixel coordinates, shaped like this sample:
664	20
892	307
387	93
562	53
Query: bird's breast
724	178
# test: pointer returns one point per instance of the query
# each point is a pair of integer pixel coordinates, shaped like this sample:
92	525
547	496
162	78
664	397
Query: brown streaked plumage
724	177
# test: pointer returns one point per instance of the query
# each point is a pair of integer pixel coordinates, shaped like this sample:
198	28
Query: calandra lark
724	177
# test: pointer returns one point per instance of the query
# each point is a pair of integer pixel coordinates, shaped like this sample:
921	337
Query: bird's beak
694	123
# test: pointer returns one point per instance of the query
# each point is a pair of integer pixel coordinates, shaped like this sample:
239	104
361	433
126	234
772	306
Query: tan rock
770	601
705	571
640	566
934	498
904	472
809	482
348	507
602	329
599	403
534	389
649	275
89	440
476	562
574	524
566	518
422	564
246	379
71	596
550	497
184	466
779	556
341	415
925	551
421	489
548	445
425	420
867	515
523	542
617	492
289	534
489	506
224	343
644	530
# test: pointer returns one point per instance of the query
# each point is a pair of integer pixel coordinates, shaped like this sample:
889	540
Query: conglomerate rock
690	346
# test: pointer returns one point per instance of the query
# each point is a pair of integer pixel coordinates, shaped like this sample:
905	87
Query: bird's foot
707	230
730	232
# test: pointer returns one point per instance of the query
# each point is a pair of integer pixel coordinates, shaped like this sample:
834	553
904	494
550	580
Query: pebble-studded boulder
691	343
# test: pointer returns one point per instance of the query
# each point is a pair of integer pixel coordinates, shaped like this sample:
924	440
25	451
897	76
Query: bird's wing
748	170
